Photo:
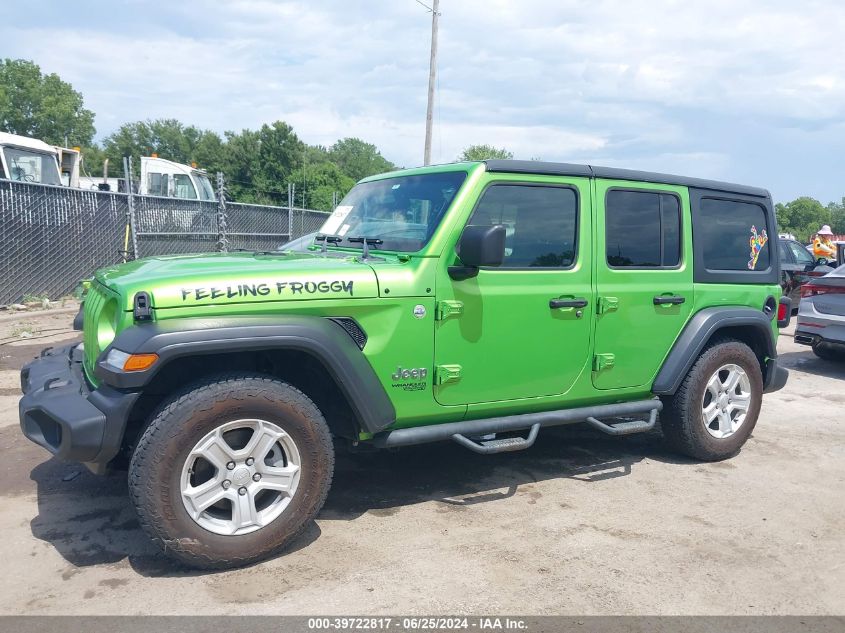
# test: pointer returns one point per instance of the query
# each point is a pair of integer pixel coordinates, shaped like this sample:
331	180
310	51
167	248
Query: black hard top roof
615	173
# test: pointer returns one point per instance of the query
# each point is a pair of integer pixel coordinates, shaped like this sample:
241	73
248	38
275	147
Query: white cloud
725	89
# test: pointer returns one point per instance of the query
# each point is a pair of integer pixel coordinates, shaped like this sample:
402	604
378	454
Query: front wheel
230	471
716	407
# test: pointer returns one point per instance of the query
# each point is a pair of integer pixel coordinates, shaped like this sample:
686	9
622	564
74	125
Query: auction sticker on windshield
337	217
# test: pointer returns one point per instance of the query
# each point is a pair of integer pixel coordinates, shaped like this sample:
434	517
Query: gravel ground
579	524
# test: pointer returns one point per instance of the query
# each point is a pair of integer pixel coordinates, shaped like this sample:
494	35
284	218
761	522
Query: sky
745	91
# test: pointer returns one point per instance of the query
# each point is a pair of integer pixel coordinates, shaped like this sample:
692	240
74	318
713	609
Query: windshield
403	211
206	192
30	166
183	187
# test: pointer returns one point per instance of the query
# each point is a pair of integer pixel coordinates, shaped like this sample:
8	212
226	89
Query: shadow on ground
89	519
809	363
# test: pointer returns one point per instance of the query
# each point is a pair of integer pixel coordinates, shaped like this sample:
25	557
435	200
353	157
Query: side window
541	223
785	253
802	255
643	229
157	185
733	235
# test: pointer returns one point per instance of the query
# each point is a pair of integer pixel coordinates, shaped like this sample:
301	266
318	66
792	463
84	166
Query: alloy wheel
726	400
240	477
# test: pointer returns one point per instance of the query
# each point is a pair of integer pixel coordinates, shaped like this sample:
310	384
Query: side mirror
479	246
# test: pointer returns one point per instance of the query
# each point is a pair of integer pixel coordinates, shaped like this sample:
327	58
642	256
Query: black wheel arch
752	327
312	339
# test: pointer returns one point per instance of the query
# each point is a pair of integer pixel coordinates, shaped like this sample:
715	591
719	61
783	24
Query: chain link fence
53	237
167	226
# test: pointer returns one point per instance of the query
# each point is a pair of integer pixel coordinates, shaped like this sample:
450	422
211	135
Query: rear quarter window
734	238
735	235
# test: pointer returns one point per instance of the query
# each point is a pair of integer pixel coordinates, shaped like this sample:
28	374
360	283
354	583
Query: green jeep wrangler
472	302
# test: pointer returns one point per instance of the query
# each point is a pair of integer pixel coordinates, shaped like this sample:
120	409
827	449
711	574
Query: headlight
116	359
121	361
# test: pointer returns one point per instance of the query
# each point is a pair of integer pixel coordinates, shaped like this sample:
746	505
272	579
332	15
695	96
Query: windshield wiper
367	242
253	251
326	240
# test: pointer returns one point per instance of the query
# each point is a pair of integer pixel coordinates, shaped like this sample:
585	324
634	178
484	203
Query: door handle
661	300
567	303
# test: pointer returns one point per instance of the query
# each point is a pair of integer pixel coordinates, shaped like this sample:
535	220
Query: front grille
95	299
353	329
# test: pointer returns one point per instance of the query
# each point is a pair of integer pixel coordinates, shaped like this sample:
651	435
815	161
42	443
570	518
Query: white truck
160	177
31	160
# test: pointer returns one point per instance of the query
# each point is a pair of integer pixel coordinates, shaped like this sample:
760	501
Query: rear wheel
827	352
716	407
232	470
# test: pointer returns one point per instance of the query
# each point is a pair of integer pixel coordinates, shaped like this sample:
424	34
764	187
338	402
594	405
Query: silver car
821	315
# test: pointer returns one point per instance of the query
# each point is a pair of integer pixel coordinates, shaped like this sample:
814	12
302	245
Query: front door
521	330
643	279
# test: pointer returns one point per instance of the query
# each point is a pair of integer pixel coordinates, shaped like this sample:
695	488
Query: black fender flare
320	337
698	331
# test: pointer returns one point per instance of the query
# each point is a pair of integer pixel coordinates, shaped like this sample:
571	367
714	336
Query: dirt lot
579	524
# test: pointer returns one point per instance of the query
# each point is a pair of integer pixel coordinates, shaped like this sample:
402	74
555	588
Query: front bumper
60	412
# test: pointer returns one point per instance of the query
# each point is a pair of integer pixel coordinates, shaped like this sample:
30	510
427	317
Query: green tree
484	152
242	167
42	106
92	161
208	152
317	184
358	159
802	217
259	164
280	154
837	217
168	138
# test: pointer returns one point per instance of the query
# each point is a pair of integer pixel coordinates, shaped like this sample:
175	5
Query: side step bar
461	432
504	445
625	428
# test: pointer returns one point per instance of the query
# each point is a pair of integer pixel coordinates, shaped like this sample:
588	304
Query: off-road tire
681	420
826	352
181	421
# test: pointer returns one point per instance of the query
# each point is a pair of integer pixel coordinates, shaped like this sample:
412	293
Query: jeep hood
222	278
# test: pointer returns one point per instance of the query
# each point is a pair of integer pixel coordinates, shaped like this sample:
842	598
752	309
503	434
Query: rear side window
802	255
157	184
643	229
541	223
733	235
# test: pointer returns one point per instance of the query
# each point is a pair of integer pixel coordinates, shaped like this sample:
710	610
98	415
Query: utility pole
432	73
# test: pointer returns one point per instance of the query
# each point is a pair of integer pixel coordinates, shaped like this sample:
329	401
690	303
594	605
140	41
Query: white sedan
821	315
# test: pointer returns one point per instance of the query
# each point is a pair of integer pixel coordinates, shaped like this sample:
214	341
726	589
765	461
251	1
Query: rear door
643	279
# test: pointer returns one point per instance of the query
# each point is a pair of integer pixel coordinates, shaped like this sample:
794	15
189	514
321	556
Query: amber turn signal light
139	362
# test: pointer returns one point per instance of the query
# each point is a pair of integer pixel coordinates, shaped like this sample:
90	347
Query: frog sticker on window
757	242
